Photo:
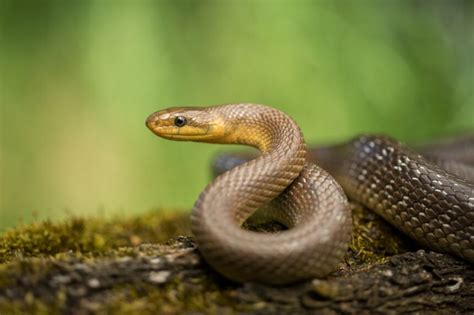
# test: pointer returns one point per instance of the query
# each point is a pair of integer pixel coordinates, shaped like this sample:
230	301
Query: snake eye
180	121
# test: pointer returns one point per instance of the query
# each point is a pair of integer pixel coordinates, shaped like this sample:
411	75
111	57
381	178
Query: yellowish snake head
187	124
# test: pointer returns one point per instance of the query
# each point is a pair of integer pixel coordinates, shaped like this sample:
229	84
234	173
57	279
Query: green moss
90	236
372	238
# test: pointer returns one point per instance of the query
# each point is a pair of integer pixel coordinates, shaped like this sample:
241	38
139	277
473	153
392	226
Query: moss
90	236
34	257
372	238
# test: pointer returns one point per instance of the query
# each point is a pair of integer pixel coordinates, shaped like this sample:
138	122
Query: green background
78	80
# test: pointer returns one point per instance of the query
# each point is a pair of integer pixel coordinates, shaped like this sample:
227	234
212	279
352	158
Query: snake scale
431	205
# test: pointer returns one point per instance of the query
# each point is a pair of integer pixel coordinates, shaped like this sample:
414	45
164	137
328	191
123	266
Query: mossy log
128	266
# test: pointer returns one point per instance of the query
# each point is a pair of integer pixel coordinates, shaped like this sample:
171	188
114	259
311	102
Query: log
170	277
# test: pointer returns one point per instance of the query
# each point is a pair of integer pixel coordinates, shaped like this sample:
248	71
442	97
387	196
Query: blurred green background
79	78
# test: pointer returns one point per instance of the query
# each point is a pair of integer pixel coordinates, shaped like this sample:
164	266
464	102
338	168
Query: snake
430	204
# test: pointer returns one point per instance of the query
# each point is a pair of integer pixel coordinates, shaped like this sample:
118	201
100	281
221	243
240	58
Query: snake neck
259	126
253	184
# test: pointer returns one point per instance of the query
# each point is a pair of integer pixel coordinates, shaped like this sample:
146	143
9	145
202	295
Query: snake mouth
172	133
197	137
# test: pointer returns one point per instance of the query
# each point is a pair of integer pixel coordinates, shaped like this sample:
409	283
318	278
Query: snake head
187	124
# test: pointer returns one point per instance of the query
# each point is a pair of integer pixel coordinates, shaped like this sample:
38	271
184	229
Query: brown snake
434	207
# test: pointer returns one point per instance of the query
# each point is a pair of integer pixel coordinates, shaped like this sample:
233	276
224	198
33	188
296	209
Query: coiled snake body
427	203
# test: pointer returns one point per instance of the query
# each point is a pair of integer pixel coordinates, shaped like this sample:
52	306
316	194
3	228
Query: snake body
427	203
